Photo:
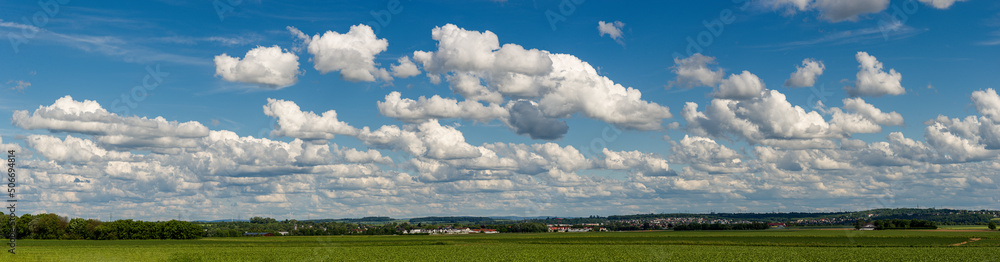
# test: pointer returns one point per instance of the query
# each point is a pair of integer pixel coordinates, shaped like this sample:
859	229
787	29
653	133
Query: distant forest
52	226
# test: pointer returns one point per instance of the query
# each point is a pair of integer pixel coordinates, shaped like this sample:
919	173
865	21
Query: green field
965	227
770	245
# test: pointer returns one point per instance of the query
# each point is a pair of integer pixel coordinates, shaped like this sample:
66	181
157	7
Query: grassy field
770	245
965	227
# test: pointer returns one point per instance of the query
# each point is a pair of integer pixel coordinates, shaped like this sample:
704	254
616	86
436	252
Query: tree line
53	226
719	226
897	224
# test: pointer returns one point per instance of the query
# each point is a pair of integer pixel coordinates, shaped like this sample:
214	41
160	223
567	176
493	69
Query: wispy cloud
881	33
18	85
995	41
219	40
107	45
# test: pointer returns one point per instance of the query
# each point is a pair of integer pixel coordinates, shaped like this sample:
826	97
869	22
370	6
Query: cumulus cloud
612	29
865	118
88	117
479	68
352	53
293	122
743	86
805	75
436	107
872	80
405	68
693	71
269	67
526	118
987	103
973	138
769	119
645	163
705	154
429	139
597	97
941	4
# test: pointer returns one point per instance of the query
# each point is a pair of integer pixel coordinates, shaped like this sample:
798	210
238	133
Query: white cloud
872	80
429	139
612	29
267	66
293	122
405	68
88	117
869	111
987	103
865	118
705	154
481	69
762	118
770	119
72	149
581	89
693	71
352	53
436	107
743	86
805	75
645	163
471	88
941	4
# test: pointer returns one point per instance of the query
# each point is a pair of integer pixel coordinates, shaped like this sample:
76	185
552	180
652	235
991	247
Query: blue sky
155	110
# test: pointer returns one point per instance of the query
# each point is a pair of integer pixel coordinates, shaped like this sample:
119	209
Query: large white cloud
872	80
770	119
805	75
352	53
480	69
267	66
88	117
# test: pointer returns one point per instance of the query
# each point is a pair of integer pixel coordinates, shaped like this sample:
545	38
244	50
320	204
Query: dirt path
966	242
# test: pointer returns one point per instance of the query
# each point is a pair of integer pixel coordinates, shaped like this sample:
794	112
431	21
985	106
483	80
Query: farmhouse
868	226
777	225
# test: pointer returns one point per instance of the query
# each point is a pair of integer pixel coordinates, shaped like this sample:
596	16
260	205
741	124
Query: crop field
770	245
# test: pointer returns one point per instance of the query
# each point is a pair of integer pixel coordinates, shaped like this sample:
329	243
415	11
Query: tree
992	225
